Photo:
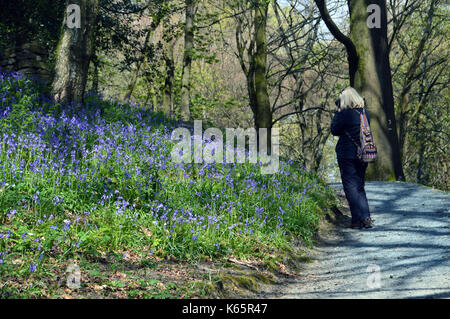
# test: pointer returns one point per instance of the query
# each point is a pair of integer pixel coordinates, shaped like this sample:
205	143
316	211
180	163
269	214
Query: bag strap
351	138
361	118
364	120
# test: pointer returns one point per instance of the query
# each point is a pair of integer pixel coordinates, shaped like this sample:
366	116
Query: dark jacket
347	120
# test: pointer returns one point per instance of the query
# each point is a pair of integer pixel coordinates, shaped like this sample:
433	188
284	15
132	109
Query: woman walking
346	125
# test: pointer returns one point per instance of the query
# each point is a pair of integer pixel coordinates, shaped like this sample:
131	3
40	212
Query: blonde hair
350	99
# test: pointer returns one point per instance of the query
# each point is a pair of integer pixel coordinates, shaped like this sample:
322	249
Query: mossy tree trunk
373	80
370	74
169	60
249	71
263	116
74	53
187	60
96	72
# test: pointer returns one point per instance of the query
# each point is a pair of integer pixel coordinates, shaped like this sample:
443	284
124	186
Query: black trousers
353	173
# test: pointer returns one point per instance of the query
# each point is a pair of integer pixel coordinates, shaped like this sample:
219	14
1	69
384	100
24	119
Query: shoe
356	225
367	223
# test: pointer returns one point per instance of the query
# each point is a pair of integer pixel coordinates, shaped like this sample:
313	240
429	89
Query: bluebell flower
32	267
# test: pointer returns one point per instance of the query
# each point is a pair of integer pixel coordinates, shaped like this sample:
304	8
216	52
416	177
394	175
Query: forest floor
406	254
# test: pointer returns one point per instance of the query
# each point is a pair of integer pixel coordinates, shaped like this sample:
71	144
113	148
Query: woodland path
408	250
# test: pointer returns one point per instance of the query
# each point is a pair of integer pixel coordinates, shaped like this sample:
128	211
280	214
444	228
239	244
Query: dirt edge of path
250	280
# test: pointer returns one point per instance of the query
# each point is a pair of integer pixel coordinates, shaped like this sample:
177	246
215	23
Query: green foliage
424	111
23	21
109	187
18	98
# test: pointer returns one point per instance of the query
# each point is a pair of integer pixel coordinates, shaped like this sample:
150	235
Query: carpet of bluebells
76	181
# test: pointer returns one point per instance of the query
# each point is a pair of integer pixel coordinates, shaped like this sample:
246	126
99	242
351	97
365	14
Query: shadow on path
408	250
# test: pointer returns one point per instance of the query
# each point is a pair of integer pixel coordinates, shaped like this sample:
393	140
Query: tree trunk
352	54
249	71
74	53
373	80
187	60
167	99
95	78
263	118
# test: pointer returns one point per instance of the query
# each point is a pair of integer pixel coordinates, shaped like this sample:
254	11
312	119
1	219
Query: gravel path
406	255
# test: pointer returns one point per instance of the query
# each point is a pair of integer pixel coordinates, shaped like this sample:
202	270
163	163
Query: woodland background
253	63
